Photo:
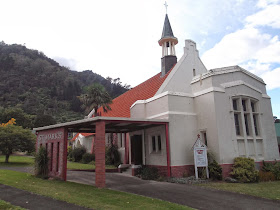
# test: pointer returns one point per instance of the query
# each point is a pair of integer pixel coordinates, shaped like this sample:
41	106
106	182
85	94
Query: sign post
200	156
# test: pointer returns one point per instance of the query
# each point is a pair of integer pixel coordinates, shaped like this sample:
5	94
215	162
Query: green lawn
17	161
270	190
29	161
83	195
81	166
8	206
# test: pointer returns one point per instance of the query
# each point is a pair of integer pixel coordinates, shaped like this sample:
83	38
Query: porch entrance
136	150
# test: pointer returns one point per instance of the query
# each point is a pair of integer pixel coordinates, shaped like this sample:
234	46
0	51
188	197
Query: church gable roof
121	105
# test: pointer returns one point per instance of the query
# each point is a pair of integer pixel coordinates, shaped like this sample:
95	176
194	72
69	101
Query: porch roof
112	124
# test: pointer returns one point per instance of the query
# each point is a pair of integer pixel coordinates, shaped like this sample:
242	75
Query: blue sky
120	38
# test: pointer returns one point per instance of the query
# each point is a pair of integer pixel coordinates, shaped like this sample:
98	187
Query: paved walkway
32	201
190	195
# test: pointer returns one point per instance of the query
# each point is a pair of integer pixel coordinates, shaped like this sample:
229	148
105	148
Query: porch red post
167	150
64	155
125	150
100	154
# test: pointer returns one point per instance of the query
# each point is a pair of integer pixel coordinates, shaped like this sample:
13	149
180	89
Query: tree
276	120
96	96
23	119
15	138
44	120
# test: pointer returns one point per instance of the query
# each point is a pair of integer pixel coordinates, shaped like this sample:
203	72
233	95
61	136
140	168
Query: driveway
184	194
190	195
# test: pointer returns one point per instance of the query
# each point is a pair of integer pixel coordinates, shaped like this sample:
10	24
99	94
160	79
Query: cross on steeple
165	4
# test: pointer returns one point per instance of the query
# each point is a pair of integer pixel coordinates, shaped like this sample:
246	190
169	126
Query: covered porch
55	137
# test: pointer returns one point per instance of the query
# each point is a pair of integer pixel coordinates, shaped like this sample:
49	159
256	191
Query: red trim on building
167	149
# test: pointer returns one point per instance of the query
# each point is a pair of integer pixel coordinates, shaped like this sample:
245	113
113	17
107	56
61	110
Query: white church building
229	108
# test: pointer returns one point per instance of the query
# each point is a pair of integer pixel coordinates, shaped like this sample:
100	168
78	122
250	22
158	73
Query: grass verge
81	166
23	161
7	206
83	195
17	161
270	190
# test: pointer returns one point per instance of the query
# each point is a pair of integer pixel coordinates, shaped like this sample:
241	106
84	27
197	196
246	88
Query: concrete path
32	201
190	195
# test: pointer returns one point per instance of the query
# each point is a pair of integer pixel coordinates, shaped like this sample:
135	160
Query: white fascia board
160	96
225	70
209	90
172	113
239	82
266	96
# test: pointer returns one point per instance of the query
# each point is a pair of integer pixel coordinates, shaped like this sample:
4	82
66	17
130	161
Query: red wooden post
167	150
63	156
100	154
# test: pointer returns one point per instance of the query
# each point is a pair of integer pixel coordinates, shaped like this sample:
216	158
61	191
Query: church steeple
167	42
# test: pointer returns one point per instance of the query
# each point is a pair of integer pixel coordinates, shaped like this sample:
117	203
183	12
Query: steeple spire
168	42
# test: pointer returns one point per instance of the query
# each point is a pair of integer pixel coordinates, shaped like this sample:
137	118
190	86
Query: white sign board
200	156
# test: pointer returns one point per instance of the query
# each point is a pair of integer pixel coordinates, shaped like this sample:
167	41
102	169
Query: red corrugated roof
121	105
83	134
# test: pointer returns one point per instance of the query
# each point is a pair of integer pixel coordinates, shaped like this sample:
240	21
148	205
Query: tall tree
96	96
15	138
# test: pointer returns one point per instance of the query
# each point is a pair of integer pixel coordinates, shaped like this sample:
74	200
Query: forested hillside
40	86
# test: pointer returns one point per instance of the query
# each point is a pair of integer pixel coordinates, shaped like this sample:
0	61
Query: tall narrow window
253	106
205	138
154	143
255	124
159	143
237	124
234	104
247	124
244	105
194	73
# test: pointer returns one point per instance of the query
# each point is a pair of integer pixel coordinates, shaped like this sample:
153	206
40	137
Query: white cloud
265	3
251	48
269	16
271	78
236	48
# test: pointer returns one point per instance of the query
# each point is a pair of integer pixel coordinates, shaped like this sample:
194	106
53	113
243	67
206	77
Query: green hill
40	86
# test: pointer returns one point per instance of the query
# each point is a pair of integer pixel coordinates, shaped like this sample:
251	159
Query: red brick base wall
227	168
188	170
176	171
55	141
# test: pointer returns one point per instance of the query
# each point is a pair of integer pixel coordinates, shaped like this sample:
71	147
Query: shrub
244	170
267	167
69	153
270	171
112	155
41	163
215	170
77	153
149	173
276	170
87	158
266	176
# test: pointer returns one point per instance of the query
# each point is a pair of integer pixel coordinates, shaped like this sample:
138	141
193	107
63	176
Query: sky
120	38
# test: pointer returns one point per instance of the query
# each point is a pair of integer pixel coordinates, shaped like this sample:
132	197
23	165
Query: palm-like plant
96	96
